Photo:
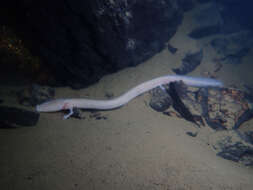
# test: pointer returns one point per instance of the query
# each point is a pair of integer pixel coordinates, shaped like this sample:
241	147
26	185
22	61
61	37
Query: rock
189	63
192	134
85	40
238	12
172	49
234	47
187	4
229	145
203	1
248	136
248	92
224	109
238	152
243	117
160	100
204	32
177	104
12	117
223	16
97	115
35	94
220	45
207	20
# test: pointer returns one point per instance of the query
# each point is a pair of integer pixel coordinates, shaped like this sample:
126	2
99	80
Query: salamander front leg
69	114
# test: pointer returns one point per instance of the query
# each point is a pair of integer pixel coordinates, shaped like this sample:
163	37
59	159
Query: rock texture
34	95
236	14
233	47
12	117
208	21
224	110
189	63
227	17
232	145
83	40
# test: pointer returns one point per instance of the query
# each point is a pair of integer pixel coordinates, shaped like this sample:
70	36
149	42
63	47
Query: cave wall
80	41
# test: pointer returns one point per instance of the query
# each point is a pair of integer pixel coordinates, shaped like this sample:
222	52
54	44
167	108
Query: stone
221	109
225	109
84	40
207	19
172	49
189	63
35	94
229	145
160	100
204	32
238	12
232	48
178	104
12	117
192	134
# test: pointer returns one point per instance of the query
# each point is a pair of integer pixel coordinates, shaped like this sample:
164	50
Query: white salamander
69	104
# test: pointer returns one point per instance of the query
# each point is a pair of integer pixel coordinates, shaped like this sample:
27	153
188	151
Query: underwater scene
126	94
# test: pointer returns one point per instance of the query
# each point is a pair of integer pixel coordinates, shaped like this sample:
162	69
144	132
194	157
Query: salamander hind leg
69	114
67	106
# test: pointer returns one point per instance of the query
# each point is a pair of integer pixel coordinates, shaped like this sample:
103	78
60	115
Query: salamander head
51	106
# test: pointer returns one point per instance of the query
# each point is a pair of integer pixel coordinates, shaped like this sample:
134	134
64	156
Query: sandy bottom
134	148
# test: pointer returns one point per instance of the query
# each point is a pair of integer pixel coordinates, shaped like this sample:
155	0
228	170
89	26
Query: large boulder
83	40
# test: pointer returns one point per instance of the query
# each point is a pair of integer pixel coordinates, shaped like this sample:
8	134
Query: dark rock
172	49
234	47
178	105
229	145
236	57
214	122
245	116
84	40
230	25
160	100
237	11
35	94
12	117
202	32
188	97
220	44
192	134
238	152
187	4
1	101
97	115
208	21
225	109
248	136
248	92
203	1
189	63
221	109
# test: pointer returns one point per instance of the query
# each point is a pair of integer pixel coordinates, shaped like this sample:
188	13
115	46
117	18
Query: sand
134	148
